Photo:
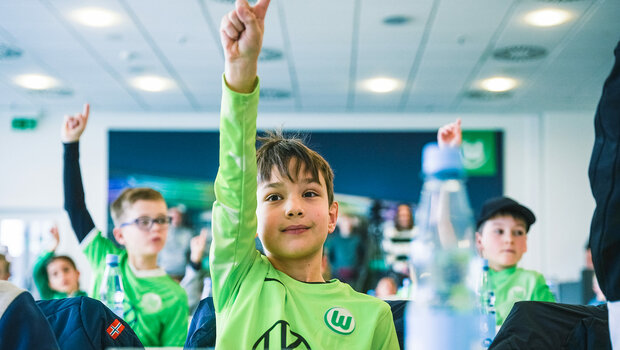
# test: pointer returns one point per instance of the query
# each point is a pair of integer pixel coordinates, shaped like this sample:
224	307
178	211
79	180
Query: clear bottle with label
444	268
111	292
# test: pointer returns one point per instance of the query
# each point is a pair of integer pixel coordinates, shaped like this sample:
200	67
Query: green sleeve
95	248
385	337
176	325
542	291
234	211
39	274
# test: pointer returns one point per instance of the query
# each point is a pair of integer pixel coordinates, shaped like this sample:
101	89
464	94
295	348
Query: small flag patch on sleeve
115	329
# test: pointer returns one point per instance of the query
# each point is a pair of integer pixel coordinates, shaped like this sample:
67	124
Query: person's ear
333	217
119	235
479	243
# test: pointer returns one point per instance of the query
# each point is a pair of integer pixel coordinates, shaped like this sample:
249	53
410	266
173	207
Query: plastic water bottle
487	307
444	269
112	293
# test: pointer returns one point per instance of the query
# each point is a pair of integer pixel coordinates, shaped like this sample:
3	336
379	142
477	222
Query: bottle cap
444	161
111	259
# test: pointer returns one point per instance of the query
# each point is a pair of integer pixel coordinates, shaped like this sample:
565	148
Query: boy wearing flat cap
501	238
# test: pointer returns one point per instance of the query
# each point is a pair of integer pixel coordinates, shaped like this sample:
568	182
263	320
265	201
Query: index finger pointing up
260	9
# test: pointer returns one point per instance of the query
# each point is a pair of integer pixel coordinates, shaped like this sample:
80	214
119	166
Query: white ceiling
328	48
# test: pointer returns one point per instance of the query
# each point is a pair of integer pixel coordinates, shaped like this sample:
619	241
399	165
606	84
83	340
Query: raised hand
74	125
241	33
197	246
56	236
450	135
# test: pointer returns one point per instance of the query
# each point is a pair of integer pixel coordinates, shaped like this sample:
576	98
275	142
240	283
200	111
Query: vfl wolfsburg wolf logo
340	320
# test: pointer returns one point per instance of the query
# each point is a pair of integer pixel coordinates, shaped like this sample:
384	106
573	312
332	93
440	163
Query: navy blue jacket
85	323
22	324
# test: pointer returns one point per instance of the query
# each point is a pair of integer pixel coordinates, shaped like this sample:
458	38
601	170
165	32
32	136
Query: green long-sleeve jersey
41	280
517	284
258	306
155	305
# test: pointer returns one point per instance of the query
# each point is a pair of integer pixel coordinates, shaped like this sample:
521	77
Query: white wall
546	158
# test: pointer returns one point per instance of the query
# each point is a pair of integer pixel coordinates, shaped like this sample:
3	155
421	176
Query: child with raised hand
280	299
501	238
155	306
56	276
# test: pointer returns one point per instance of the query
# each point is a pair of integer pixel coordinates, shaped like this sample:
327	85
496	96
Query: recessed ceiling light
548	17
95	17
498	84
381	85
35	81
152	83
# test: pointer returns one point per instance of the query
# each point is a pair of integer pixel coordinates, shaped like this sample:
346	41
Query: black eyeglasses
145	223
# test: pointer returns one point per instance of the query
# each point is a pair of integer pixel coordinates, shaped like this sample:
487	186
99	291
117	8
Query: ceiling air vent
558	0
520	53
274	94
484	95
269	54
53	92
8	52
397	20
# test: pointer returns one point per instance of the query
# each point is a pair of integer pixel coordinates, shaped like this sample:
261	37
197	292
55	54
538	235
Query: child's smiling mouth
295	229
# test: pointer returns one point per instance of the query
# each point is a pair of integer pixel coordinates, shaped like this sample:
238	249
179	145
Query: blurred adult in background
345	250
397	237
174	257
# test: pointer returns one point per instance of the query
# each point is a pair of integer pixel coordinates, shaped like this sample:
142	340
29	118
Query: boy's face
62	276
139	241
503	241
294	218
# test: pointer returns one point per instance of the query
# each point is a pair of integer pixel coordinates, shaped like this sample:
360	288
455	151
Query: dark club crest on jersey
280	336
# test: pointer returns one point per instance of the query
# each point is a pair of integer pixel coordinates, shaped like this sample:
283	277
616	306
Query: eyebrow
304	181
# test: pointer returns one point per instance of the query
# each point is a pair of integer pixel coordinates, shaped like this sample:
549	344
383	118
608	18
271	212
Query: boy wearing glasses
155	306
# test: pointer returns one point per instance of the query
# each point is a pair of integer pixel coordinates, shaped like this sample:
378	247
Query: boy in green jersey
501	238
155	305
56	276
280	299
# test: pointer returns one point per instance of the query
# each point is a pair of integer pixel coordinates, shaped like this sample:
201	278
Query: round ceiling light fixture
35	81
548	17
520	53
498	84
152	83
381	85
95	17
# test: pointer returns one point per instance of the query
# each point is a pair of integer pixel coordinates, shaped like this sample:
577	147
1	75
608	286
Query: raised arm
75	204
234	211
241	33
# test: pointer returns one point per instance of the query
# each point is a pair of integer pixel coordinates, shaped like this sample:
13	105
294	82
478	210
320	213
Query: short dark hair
277	150
128	197
61	257
513	214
